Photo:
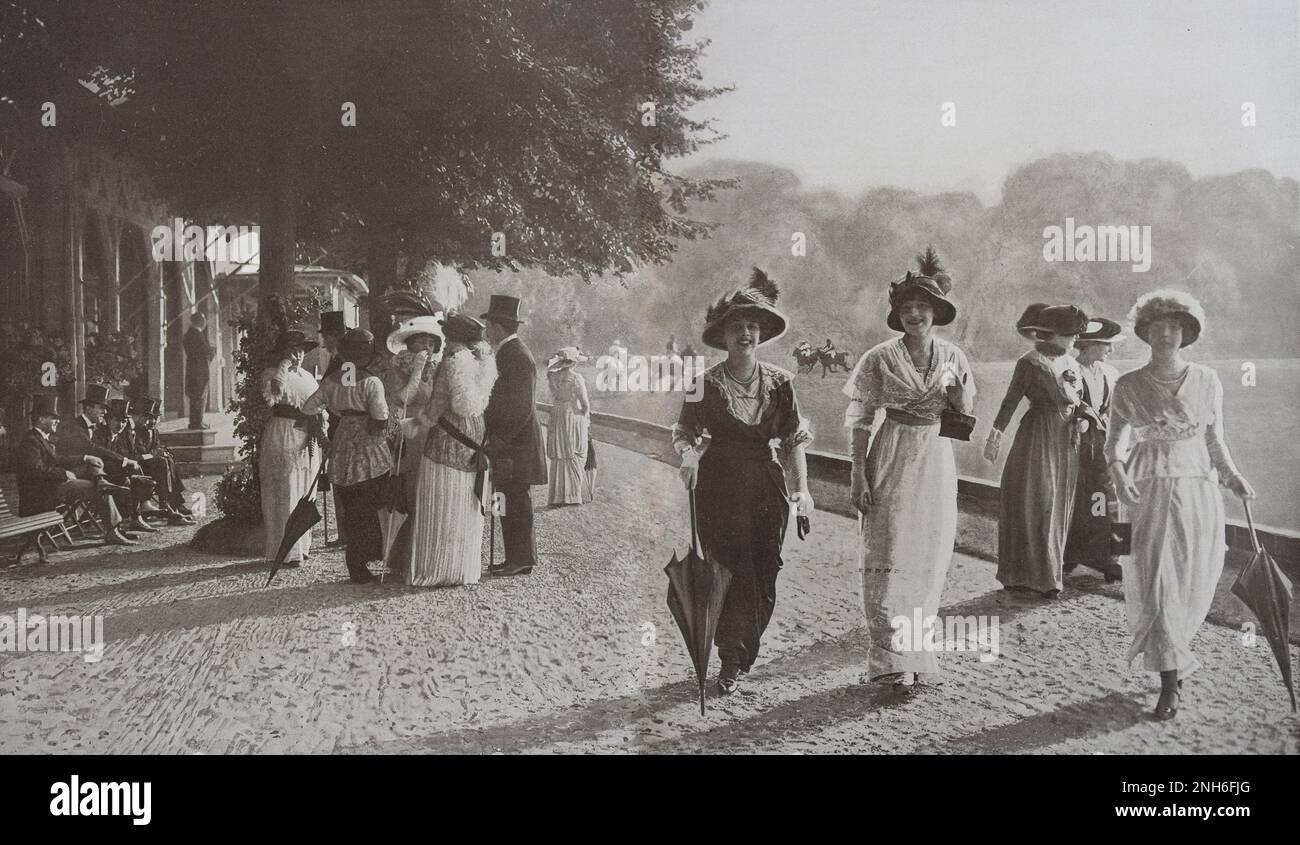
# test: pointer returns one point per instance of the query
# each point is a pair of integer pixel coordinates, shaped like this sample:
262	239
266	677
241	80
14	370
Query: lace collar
770	377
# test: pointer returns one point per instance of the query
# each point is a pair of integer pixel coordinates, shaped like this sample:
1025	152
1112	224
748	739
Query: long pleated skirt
1169	581
286	468
1038	491
905	544
446	528
566	447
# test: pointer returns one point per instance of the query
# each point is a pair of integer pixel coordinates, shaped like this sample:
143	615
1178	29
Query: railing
829	476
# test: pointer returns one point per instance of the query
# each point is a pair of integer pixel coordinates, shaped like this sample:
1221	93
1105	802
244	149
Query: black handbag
955	424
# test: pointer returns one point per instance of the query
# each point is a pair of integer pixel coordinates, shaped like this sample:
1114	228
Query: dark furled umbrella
697	586
1265	589
300	521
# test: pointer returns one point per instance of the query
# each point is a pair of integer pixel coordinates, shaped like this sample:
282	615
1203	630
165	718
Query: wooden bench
28	529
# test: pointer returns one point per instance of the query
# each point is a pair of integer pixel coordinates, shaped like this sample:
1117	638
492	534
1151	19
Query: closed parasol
1265	589
300	521
697	586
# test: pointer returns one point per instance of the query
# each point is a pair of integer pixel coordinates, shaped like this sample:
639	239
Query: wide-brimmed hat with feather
756	301
932	283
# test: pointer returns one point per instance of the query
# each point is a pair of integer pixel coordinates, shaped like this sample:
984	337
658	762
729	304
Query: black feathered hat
756	302
932	283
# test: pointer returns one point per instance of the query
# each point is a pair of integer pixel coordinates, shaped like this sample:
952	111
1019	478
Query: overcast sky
848	93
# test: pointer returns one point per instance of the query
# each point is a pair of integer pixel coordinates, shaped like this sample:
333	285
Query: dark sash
481	462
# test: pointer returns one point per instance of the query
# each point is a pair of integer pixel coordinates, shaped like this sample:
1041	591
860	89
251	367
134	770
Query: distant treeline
1232	240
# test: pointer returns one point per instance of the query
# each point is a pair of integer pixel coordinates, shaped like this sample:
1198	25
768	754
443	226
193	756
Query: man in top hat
514	437
159	464
115	434
88	434
46	478
198	354
332	329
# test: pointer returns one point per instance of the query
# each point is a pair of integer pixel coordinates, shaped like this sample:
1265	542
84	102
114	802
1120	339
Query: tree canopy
392	128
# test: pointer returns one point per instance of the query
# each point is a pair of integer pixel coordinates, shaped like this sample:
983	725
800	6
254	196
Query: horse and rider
808	357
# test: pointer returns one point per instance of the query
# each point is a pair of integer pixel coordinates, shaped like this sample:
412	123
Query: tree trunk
279	218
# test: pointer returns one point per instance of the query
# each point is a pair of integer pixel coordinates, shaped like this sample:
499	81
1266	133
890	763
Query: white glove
97	463
992	446
803	503
689	468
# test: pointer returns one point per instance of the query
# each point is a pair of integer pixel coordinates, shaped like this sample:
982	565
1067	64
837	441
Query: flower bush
26	349
113	358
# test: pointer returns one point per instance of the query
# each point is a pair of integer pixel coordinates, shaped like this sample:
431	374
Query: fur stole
470	374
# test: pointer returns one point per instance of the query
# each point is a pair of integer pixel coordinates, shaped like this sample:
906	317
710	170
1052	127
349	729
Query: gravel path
580	656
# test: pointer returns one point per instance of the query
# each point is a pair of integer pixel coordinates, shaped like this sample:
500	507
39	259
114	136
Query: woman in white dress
1171	412
447	519
567	431
904	481
416	345
288	457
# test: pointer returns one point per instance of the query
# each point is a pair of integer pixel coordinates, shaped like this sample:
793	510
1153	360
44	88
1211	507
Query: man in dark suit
47	479
157	460
88	434
198	353
514	437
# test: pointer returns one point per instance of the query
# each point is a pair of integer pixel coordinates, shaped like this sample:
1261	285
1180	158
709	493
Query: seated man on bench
144	445
47	479
114	436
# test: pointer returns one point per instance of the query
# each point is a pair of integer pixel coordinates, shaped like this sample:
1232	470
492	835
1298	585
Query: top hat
96	394
294	339
462	328
412	327
332	321
357	345
566	357
931	284
45	405
756	302
117	408
1099	330
504	309
1057	319
147	407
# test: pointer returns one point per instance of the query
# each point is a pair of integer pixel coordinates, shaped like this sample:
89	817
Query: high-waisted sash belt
901	416
288	412
352	413
481	462
742	450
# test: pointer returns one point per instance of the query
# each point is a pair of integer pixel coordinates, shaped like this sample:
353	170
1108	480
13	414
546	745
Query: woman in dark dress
1095	505
1038	481
742	503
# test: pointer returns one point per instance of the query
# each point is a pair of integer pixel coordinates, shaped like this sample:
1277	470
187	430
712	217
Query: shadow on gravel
94	558
197	613
142	585
639	714
1107	714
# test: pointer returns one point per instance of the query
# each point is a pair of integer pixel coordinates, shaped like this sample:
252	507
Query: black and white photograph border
649	377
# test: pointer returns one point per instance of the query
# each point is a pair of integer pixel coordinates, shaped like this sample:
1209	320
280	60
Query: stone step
201	437
204	468
203	454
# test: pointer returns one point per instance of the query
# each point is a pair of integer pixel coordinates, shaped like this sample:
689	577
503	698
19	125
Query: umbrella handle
695	542
1250	522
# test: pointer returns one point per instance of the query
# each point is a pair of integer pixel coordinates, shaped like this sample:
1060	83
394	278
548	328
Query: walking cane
326	521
